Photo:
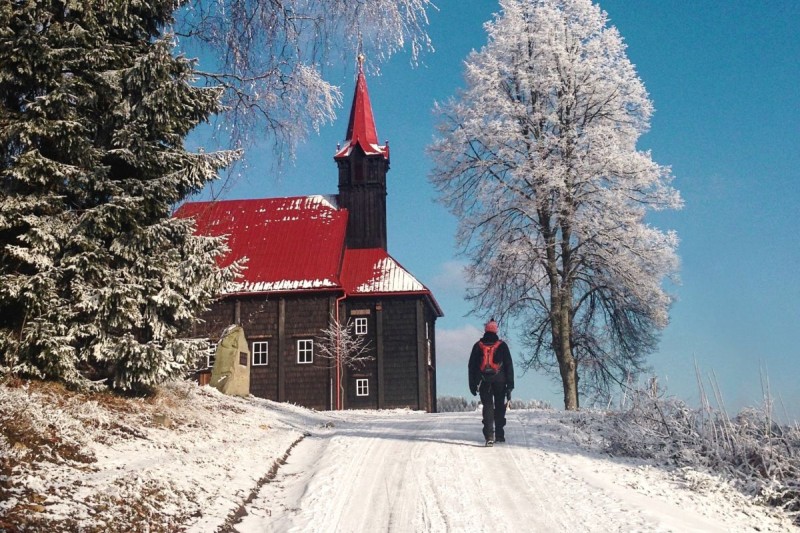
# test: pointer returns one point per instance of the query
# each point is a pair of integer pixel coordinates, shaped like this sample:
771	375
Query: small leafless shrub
457	404
529	404
760	457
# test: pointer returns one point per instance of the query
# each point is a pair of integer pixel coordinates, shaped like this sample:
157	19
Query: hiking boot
489	443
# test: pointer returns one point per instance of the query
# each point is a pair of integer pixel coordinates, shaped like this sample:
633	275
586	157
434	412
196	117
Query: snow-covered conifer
98	281
537	158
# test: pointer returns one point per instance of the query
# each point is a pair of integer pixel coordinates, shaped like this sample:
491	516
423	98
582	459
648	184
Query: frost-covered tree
537	158
270	56
343	348
96	280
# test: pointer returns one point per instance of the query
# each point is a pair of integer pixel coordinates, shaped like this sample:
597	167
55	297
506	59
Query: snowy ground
194	460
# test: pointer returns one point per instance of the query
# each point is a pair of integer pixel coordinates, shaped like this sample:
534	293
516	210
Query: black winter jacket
503	354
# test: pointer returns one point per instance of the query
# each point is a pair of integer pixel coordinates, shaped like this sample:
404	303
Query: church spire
361	129
363	164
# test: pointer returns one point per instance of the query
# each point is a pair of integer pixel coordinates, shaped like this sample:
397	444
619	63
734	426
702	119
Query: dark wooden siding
259	318
306	384
264	378
369	369
362	191
430	320
214	321
310	385
400	353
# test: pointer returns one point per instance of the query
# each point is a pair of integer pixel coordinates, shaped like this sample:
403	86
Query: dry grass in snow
191	459
98	462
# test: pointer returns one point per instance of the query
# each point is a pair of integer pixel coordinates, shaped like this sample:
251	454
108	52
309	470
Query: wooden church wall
259	318
364	308
306	384
401	378
214	321
400	346
430	320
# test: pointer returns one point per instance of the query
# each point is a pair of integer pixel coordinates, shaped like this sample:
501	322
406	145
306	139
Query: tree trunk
560	318
566	363
561	329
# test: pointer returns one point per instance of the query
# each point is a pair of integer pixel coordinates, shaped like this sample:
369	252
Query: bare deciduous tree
269	56
339	345
537	158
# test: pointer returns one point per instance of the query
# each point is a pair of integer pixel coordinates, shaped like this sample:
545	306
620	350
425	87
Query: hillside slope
190	459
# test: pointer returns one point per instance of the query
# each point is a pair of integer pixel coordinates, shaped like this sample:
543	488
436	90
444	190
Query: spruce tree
97	281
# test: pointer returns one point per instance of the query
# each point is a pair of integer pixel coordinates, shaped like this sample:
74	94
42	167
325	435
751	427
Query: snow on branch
339	345
268	56
537	159
754	453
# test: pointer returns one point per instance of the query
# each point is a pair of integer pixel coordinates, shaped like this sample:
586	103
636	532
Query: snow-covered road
406	471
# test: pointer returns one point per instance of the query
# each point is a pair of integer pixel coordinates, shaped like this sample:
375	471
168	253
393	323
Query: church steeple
363	164
361	129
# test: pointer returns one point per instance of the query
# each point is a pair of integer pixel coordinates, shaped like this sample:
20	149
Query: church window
305	351
260	353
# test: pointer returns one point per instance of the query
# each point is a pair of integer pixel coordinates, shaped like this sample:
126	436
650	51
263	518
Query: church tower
363	164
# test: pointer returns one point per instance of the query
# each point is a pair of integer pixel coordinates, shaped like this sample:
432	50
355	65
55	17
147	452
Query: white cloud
451	278
455	345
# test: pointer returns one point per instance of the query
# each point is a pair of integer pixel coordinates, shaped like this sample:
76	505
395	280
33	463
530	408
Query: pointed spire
361	128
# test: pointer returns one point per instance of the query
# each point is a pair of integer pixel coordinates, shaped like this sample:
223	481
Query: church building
311	258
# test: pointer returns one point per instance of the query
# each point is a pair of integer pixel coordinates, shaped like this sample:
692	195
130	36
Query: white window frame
305	348
362	387
257	350
360	325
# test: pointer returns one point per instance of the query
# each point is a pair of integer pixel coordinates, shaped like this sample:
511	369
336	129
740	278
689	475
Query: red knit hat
491	326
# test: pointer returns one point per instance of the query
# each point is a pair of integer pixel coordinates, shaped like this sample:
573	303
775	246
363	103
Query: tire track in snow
330	492
425	473
409	471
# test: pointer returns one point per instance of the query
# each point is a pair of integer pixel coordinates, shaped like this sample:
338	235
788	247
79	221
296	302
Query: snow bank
192	459
187	457
706	448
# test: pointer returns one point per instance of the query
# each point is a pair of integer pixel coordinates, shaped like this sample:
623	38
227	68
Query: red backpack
489	367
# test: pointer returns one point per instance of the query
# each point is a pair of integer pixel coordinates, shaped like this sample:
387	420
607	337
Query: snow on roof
291	243
298	243
369	149
373	271
280	285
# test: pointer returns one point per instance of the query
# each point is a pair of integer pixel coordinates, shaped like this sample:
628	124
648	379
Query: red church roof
361	128
298	244
374	271
290	243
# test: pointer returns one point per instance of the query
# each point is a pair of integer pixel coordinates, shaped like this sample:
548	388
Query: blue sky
725	81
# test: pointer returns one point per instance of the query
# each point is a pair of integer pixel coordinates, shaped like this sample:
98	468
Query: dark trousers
494	409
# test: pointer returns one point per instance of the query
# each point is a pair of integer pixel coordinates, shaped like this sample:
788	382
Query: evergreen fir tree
97	282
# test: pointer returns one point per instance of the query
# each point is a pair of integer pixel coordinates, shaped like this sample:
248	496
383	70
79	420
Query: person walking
491	372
